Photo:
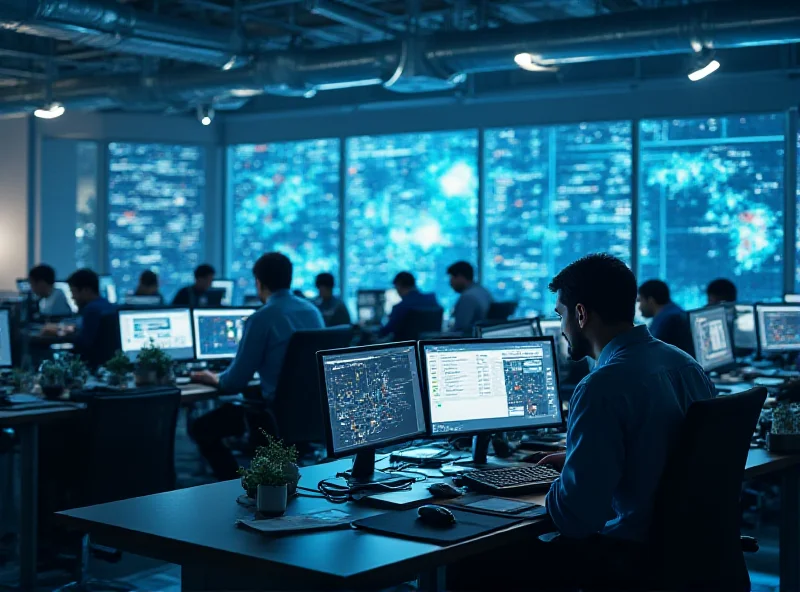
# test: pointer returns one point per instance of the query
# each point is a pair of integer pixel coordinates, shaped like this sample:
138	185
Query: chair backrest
418	321
131	443
695	536
500	311
298	400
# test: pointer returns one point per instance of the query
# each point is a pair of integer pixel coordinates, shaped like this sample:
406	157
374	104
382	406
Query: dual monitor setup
383	395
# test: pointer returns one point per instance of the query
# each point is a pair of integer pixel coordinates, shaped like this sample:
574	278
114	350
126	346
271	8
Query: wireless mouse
436	516
444	490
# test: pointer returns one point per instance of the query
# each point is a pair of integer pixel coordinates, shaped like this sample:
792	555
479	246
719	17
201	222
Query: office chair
129	452
419	321
501	311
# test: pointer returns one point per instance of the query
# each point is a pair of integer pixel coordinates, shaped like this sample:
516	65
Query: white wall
15	189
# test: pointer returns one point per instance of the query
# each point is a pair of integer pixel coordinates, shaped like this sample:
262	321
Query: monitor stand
363	471
480	454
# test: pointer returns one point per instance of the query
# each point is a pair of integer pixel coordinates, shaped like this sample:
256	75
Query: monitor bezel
453	342
208	312
761	351
121	311
532	323
727	366
326	411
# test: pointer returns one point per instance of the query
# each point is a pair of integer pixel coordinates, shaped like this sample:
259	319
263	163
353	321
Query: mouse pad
406	525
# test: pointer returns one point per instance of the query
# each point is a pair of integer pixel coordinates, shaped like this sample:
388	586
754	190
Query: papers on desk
325	520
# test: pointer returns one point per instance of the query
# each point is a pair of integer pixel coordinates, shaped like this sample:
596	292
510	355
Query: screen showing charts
5	339
778	327
712	343
169	329
64	287
475	387
218	332
523	329
374	396
744	327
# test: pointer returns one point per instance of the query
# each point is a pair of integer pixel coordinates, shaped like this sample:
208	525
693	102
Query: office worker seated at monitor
625	417
670	323
148	285
262	349
474	300
195	295
410	299
333	309
721	291
52	301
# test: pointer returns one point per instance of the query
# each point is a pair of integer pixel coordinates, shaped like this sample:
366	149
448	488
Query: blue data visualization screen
711	205
86	206
156	200
284	197
553	194
411	205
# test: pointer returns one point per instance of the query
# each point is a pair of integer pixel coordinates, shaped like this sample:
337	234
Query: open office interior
364	139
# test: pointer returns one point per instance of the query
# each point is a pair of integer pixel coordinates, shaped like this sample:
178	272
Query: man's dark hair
149	279
325	280
602	283
85	279
404	280
204	271
43	273
274	271
724	290
657	290
462	269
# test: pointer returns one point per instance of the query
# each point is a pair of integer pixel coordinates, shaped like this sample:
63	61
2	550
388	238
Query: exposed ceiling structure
181	55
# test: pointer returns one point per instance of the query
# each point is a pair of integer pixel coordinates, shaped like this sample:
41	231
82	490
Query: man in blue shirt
670	322
262	349
411	299
474	300
625	418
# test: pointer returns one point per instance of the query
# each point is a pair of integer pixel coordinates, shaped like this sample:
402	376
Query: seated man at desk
474	300
262	349
670	322
195	295
721	291
148	285
411	299
52	301
333	309
624	419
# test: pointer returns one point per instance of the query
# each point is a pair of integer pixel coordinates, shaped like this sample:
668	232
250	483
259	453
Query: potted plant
153	366
52	379
119	369
75	371
273	471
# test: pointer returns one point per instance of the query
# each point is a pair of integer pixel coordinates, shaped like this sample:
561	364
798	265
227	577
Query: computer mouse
444	490
436	516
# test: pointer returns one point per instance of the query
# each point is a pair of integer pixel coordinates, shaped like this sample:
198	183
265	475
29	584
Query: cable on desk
338	494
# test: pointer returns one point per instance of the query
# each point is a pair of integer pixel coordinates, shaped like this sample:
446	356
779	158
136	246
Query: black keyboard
511	480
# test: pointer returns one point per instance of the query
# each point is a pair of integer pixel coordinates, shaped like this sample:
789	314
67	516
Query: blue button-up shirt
265	339
90	323
472	306
414	300
625	418
671	325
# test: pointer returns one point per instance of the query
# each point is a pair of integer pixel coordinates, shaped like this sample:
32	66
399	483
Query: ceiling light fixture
703	64
529	62
230	63
50	111
205	115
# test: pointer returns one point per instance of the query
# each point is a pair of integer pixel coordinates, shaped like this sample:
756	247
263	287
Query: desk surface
15	418
761	462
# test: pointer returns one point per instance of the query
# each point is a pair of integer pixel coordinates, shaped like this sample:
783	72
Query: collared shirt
55	305
265	339
472	306
671	325
90	323
333	311
625	418
414	300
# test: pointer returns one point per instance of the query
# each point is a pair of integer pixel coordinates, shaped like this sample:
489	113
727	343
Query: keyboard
510	480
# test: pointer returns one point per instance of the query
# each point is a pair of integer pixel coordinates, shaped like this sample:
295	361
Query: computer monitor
227	286
108	289
212	298
151	300
483	386
744	327
371	306
23	286
778	328
713	347
791	298
218	331
552	328
522	328
372	399
64	287
6	360
169	328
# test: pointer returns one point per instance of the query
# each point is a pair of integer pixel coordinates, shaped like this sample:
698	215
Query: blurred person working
52	301
411	299
333	309
670	322
262	349
625	418
148	285
195	295
720	291
474	300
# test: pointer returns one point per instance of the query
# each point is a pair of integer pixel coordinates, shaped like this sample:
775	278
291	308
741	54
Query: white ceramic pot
272	500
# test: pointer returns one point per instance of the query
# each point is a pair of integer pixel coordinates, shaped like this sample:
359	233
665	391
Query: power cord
338	494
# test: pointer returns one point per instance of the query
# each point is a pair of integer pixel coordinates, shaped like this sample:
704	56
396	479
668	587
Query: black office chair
418	321
129	452
501	311
696	542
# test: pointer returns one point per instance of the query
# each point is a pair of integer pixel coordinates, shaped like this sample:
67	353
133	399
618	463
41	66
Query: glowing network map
86	206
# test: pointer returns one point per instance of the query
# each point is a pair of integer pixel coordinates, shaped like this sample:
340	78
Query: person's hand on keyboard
205	377
555	460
